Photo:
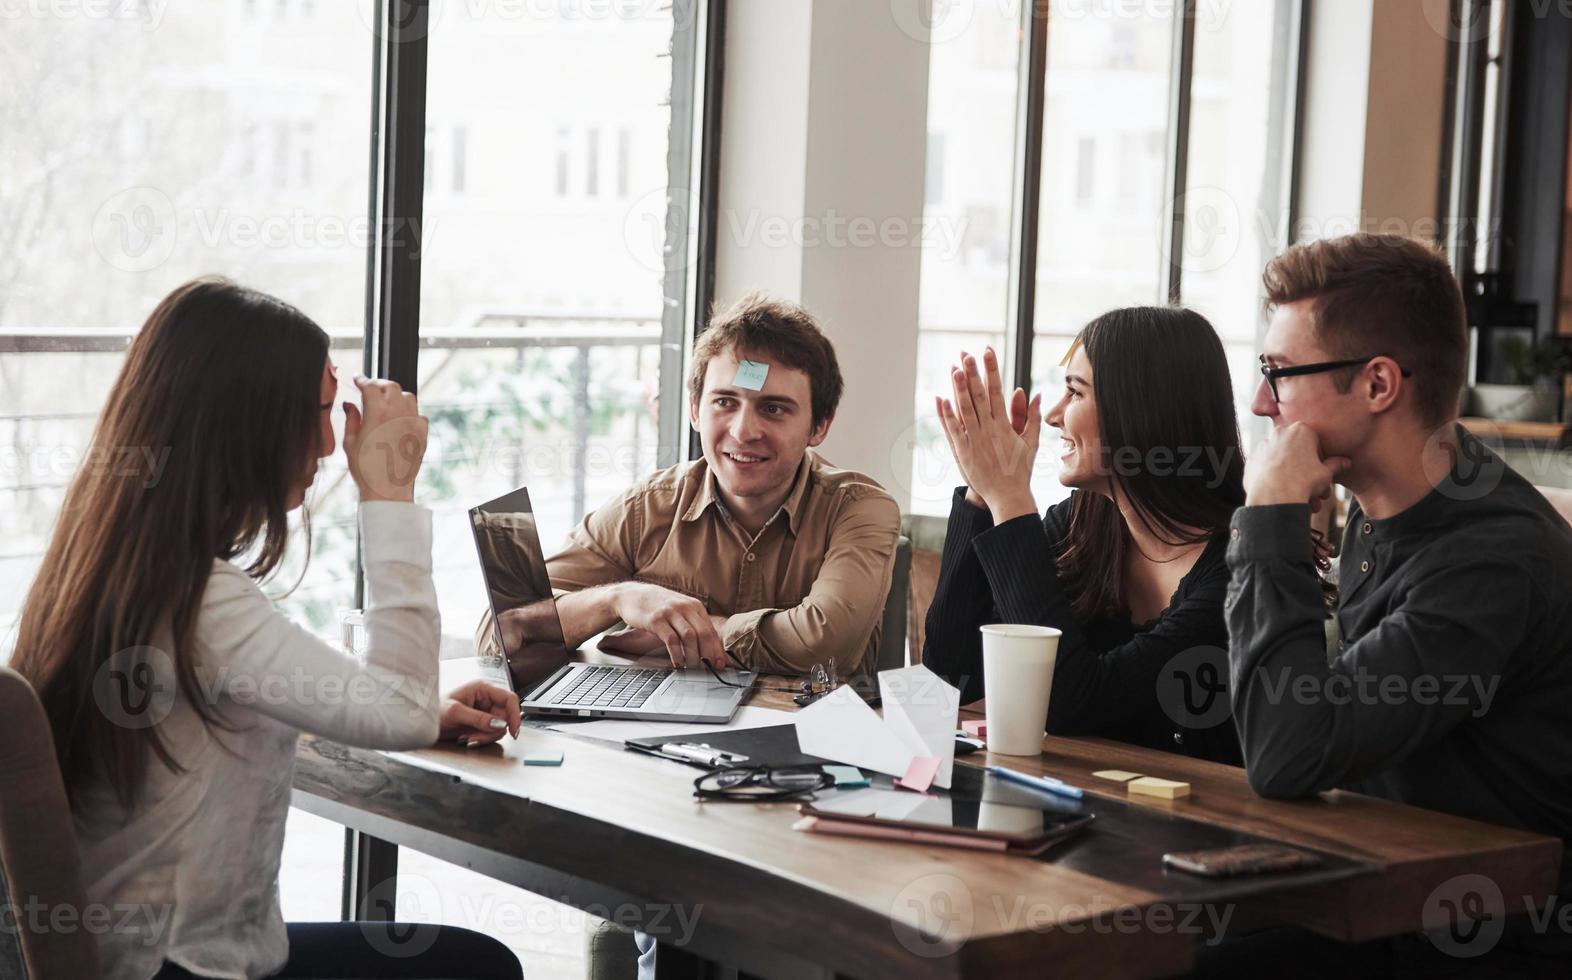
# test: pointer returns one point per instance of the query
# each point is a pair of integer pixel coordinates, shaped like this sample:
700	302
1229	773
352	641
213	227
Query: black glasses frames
761	784
1271	374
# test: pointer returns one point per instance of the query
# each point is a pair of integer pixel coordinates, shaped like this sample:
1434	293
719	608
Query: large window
543	299
1100	223
964	298
1116	115
146	144
541	277
1235	201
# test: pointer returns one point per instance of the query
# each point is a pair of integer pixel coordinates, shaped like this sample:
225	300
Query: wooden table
612	829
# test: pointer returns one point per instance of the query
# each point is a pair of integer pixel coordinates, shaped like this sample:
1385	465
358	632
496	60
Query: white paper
619	730
920	711
842	728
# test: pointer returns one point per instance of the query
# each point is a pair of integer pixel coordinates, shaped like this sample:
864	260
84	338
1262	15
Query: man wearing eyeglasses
1449	687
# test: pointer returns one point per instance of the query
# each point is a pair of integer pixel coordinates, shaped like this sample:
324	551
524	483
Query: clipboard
775	745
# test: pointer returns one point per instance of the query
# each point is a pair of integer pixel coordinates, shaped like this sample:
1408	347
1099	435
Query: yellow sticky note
1117	775
1167	789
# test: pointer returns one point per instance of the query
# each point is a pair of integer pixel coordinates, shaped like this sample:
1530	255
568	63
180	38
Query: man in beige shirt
760	553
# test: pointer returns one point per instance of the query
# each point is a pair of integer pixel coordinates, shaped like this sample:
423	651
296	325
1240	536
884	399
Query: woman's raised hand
385	441
994	442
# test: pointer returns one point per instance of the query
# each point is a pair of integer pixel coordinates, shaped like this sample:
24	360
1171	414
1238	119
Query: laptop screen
523	609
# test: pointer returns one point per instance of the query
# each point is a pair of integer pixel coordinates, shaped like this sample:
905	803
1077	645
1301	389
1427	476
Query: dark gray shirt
1451	687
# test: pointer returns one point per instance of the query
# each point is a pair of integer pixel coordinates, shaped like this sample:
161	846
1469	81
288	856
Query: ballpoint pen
701	754
1046	784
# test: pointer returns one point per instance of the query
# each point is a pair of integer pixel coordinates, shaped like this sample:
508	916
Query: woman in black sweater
1131	568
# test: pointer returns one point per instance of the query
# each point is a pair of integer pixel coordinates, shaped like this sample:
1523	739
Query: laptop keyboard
611	687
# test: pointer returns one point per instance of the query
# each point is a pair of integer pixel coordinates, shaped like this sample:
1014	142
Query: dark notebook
772	746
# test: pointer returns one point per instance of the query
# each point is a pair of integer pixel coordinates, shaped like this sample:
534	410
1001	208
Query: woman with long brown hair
174	689
1130	568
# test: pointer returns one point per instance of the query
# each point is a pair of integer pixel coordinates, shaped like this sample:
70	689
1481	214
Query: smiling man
1449	686
760	553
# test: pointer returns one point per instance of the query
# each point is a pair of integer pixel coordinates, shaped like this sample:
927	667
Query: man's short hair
1382	294
783	332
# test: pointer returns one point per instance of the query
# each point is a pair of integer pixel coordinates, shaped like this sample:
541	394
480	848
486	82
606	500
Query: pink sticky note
919	775
976	728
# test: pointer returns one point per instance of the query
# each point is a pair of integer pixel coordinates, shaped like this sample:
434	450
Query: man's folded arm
1307	725
839	614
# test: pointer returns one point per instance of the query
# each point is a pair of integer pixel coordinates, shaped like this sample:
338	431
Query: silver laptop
540	669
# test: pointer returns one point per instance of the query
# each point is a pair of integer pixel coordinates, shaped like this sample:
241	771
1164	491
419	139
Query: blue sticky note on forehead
751	375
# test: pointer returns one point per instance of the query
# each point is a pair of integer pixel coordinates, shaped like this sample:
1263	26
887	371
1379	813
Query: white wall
823	156
1374	105
764	133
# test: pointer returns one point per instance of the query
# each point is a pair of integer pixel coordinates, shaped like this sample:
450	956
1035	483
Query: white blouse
190	873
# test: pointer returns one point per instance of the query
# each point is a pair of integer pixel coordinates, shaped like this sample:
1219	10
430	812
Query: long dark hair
1170	442
222	384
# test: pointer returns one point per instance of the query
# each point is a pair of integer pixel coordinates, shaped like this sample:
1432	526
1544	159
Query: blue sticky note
847	775
751	375
543	758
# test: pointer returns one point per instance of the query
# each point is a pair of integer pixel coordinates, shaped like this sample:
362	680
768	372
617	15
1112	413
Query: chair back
927	536
40	862
892	635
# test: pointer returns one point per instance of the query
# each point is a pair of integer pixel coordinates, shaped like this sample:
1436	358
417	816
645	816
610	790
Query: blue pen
1046	784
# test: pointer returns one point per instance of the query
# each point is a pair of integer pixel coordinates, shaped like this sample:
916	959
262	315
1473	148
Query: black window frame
392	313
1026	217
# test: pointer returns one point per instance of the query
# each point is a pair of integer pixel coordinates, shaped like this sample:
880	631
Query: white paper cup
1017	680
